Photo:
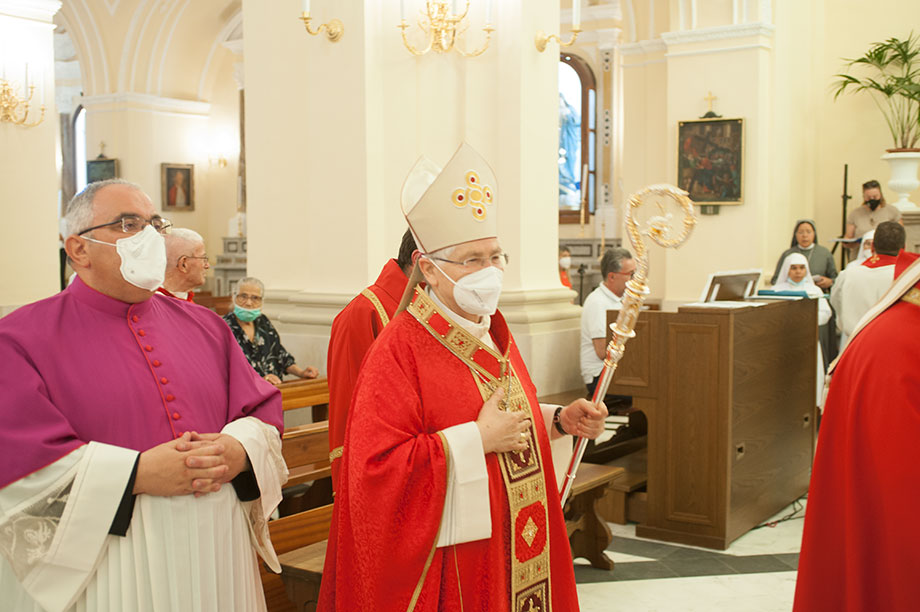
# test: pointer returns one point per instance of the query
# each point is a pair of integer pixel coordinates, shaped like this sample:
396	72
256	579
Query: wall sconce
16	110
220	162
443	24
542	38
334	28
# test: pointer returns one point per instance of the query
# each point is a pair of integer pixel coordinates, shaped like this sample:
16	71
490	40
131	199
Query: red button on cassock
141	332
148	348
170	398
164	380
135	318
176	416
156	363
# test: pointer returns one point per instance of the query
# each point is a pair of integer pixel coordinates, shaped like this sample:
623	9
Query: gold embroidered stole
912	296
522	471
381	311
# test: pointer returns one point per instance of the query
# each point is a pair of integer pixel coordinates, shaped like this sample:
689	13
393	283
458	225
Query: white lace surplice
179	553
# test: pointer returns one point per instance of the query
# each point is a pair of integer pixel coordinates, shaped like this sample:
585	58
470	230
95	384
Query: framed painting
101	169
710	156
177	186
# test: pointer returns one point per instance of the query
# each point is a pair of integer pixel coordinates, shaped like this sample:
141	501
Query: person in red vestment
186	263
447	496
861	540
353	331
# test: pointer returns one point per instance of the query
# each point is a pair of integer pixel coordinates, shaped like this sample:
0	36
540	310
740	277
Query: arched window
577	139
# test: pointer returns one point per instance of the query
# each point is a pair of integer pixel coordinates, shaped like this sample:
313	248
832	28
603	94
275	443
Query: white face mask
143	258
565	262
478	293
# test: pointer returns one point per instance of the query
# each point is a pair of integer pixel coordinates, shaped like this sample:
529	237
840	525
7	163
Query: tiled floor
756	573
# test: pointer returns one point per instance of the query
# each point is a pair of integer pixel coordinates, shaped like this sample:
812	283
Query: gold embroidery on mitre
522	471
475	195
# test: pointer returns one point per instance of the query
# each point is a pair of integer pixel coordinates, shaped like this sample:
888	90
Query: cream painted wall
28	176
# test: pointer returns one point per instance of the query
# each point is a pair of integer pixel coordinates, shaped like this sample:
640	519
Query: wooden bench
589	535
306	453
221	304
303	393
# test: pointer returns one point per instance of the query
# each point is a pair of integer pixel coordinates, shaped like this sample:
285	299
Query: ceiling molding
145	102
728	32
35	10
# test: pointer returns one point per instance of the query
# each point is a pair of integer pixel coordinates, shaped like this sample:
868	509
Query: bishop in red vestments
447	497
861	543
353	331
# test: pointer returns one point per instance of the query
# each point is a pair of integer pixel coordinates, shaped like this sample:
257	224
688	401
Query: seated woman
794	275
820	260
257	336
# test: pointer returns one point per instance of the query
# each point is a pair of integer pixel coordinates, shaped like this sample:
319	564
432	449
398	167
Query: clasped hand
583	419
193	463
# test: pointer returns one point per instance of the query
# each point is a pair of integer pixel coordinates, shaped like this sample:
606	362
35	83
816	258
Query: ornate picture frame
710	160
177	187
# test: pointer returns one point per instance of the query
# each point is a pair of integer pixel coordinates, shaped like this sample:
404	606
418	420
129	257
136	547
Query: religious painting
177	186
709	160
101	169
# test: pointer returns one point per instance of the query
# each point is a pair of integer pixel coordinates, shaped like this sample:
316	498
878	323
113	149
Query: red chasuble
861	545
353	331
421	376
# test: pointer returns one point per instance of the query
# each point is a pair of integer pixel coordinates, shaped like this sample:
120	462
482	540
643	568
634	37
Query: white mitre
449	206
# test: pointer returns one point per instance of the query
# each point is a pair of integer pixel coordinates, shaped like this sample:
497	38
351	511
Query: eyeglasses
245	297
629	274
202	258
499	260
132	224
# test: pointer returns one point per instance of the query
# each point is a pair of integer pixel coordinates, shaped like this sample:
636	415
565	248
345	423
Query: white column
333	128
29	188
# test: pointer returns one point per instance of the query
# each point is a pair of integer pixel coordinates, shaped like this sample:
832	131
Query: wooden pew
303	393
221	304
306	453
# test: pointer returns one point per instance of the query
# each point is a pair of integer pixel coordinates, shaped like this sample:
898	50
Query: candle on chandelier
402	9
306	6
576	14
489	12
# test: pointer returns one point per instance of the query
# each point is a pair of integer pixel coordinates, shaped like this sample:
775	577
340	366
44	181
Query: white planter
903	177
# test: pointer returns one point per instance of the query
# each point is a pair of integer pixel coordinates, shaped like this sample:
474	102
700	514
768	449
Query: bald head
186	260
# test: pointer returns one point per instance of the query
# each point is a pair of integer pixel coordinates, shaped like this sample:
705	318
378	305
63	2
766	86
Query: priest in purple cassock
140	454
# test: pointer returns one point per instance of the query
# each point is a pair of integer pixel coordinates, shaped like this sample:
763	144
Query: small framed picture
101	169
177	186
709	160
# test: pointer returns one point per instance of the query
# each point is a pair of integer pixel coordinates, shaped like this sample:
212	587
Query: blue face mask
800	283
246	315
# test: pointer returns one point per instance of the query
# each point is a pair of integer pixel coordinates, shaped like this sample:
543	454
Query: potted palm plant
891	76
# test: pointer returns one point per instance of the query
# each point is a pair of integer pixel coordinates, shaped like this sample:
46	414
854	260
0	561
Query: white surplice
179	553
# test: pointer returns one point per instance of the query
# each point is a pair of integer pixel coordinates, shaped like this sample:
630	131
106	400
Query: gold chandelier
17	110
443	26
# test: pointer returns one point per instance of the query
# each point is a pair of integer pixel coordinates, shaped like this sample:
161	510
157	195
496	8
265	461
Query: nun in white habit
795	276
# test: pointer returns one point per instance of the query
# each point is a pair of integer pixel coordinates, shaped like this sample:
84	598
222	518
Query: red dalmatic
353	331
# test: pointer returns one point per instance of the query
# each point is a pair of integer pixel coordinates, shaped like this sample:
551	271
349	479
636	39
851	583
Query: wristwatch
557	421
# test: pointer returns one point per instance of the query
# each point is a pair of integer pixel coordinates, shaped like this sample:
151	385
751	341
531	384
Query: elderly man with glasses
258	337
140	455
187	263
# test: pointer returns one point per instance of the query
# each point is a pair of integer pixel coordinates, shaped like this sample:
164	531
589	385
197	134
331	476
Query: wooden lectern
730	398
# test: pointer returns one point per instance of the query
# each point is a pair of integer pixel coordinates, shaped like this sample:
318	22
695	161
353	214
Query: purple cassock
81	367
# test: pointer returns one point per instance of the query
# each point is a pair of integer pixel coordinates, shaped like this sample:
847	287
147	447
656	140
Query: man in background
353	331
858	288
186	263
